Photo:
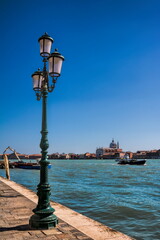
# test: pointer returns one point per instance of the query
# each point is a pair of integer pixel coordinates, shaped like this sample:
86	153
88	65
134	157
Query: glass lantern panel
50	64
37	82
55	65
45	47
41	46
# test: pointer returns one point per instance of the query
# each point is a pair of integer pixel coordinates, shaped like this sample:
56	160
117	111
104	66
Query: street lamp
43	217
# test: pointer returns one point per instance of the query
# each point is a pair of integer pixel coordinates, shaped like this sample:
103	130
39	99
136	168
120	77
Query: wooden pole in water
6	164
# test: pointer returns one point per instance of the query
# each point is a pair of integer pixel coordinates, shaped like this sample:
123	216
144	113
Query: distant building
141	154
21	156
35	156
89	155
152	154
99	152
62	156
54	156
73	156
108	153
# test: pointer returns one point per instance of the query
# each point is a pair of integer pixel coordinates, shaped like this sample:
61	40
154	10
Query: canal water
126	198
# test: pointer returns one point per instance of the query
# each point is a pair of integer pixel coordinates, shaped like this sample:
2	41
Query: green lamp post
43	217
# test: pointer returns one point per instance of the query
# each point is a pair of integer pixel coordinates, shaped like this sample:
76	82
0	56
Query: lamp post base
45	222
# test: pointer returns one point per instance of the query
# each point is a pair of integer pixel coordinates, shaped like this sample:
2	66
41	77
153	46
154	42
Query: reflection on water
123	197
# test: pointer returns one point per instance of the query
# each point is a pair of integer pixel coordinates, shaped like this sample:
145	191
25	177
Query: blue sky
109	87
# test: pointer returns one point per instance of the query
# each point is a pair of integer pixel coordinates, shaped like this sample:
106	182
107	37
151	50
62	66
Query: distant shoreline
85	159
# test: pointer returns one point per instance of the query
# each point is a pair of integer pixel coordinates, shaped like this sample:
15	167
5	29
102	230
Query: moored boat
21	164
29	165
25	165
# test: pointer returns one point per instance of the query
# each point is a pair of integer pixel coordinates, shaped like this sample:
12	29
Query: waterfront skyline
110	80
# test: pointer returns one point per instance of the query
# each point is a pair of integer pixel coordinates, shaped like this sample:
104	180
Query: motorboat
130	161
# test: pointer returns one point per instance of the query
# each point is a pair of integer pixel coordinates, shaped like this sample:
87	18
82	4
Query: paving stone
54	231
49	238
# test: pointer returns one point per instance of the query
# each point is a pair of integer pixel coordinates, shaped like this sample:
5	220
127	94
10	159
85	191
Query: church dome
113	144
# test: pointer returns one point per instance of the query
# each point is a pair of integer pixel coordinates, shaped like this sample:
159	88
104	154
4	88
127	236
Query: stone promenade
16	204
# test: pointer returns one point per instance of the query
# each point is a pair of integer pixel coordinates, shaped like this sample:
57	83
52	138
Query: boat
130	161
25	165
22	164
29	165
